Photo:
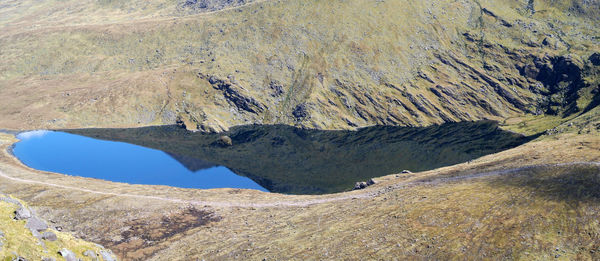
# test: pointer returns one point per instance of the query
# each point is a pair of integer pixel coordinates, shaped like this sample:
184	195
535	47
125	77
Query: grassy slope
19	242
345	63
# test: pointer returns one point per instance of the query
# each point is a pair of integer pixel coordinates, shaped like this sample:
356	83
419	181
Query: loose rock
225	141
36	224
68	255
22	213
91	254
360	185
370	182
50	236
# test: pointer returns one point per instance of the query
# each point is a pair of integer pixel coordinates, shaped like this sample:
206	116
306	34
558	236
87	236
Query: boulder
48	259
360	185
179	122
406	172
68	255
91	254
22	213
36	224
225	140
50	236
370	182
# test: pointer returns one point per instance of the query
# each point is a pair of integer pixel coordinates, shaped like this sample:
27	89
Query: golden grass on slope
510	217
19	242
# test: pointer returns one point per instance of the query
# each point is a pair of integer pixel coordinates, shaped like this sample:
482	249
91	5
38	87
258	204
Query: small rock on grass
91	254
67	254
50	236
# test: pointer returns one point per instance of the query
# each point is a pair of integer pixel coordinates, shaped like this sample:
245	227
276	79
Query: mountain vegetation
533	66
316	64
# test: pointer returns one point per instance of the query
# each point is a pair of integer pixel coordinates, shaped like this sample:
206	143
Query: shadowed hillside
289	160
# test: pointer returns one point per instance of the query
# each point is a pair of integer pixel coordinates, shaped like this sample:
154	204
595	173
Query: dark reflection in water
289	160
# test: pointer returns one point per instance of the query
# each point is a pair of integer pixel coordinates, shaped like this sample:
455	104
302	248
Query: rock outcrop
25	223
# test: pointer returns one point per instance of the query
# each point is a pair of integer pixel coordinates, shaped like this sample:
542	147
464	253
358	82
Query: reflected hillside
289	160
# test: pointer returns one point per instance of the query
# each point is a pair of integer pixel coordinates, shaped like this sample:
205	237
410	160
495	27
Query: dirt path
368	193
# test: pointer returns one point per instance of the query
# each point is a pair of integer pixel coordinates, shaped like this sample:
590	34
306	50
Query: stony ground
25	236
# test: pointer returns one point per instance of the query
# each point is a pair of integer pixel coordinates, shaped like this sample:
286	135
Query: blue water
117	161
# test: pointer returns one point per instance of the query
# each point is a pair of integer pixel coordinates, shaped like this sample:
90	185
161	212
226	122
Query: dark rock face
595	59
300	112
200	6
276	88
558	69
234	94
561	77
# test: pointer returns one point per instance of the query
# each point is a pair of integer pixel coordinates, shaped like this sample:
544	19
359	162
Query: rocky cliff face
315	64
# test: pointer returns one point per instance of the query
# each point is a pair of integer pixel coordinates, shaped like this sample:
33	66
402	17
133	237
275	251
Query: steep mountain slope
320	64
